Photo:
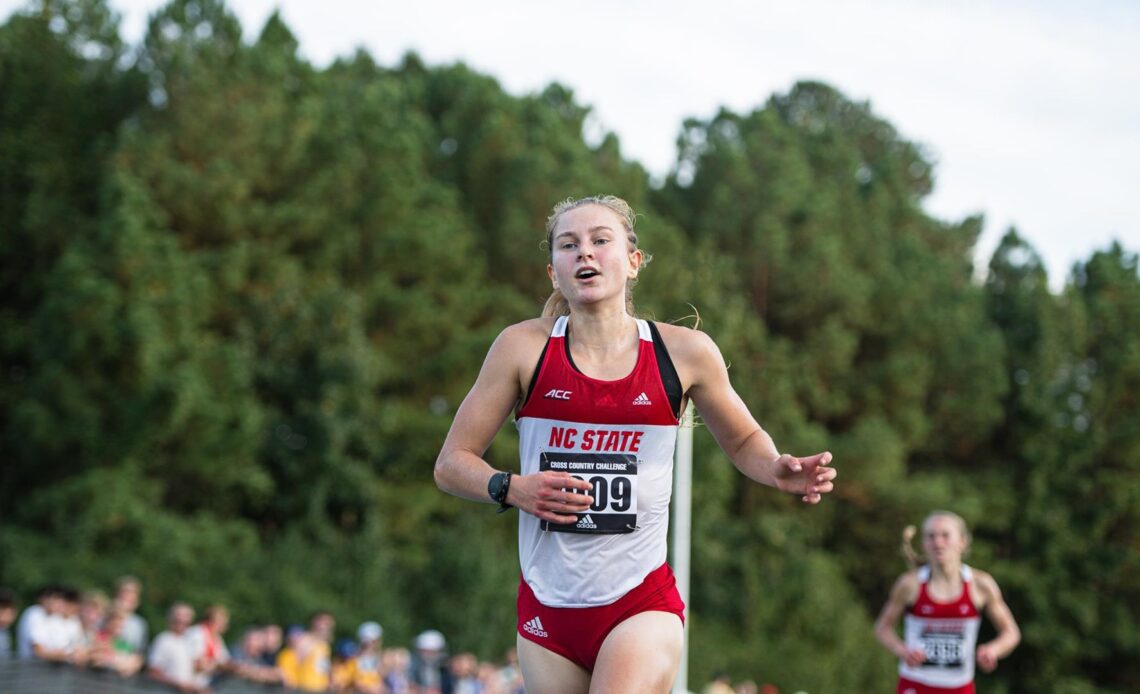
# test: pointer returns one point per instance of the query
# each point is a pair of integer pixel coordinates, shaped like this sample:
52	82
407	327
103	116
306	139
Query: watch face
496	486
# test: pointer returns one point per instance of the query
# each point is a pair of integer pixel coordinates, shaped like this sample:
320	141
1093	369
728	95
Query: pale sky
1030	110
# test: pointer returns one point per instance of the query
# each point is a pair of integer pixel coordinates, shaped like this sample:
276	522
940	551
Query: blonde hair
128	581
913	558
556	305
94	597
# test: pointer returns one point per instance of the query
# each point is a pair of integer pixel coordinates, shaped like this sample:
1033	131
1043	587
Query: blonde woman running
596	394
941	603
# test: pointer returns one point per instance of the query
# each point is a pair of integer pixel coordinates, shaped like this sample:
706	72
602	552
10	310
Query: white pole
682	526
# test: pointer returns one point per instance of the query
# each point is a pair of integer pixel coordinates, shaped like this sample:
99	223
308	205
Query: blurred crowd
93	630
721	683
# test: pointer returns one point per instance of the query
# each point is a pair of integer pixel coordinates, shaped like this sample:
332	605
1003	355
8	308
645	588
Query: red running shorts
577	633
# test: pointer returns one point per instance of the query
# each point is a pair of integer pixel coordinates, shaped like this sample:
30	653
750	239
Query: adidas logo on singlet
534	627
587	523
642	399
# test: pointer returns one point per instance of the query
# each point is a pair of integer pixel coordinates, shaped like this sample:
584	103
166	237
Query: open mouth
586	273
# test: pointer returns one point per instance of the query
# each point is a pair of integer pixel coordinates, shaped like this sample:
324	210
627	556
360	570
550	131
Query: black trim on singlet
566	346
669	378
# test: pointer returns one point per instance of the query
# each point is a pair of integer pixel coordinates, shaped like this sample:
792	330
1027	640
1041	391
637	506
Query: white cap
369	631
430	640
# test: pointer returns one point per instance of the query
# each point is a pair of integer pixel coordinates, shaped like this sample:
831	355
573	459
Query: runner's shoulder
906	586
684	342
522	342
985	585
526	333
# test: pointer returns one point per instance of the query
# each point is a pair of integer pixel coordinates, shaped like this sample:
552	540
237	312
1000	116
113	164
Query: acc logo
556	394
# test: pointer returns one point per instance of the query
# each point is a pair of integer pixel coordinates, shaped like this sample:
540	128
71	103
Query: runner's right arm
460	468
903	593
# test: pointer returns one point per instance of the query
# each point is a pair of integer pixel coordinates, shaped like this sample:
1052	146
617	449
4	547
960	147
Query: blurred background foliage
243	297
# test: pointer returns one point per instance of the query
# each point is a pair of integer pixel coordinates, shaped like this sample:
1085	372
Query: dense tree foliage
243	297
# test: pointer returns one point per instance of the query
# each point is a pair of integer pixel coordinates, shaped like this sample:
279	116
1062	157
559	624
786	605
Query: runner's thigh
546	672
640	655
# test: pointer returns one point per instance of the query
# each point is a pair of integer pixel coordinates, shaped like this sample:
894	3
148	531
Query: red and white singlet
946	631
619	435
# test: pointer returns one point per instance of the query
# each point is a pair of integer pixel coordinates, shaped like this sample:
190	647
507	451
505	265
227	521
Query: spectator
366	671
289	658
273	642
511	673
340	669
32	618
173	652
322	626
249	657
92	611
318	665
128	593
250	645
429	664
397	670
211	655
304	662
464	674
7	616
721	683
58	635
111	650
491	679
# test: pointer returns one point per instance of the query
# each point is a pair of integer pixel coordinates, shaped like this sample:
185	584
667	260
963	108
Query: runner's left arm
999	614
741	437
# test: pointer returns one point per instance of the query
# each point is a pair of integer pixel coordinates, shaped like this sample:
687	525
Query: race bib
614	476
943	649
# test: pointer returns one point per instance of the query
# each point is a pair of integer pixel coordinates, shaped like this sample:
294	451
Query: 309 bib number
614	478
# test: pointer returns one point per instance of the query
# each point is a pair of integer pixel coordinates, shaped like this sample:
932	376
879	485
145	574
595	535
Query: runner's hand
987	658
915	657
810	476
551	496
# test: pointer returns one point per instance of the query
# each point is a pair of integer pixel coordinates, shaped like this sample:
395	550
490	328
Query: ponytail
556	305
912	557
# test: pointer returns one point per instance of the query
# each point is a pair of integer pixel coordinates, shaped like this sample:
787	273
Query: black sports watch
497	488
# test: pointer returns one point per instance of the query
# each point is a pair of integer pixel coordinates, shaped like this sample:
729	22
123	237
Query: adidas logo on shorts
587	523
642	399
534	628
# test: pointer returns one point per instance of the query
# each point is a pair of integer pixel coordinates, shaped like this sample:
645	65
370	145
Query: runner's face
942	540
591	259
